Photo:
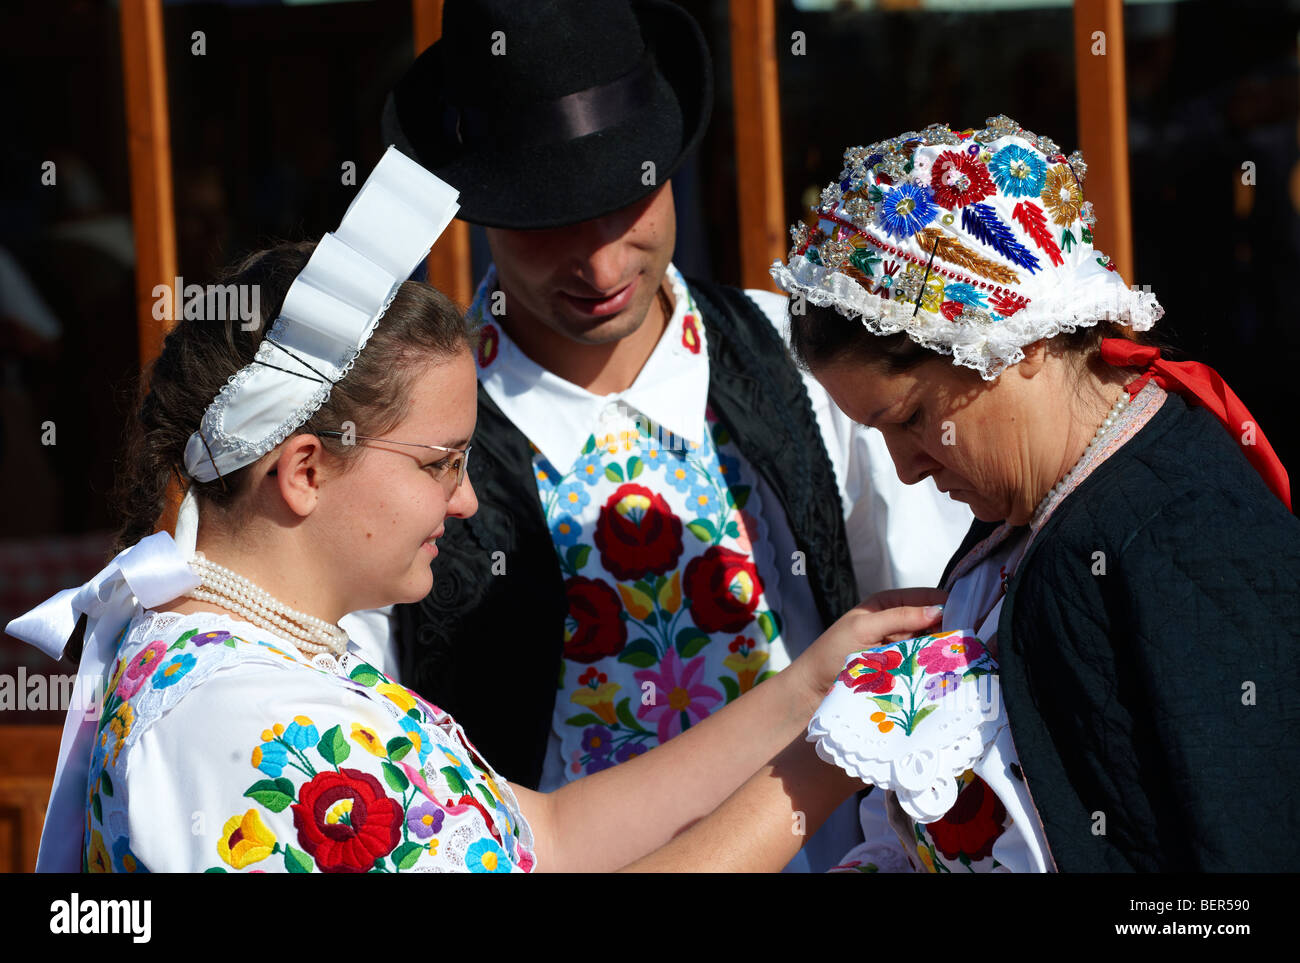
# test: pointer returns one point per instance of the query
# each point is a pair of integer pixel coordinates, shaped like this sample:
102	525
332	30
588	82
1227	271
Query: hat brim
538	186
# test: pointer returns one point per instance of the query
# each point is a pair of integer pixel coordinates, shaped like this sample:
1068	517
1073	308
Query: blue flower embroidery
906	209
1018	172
729	469
653	454
547	476
573	496
417	736
124	860
271	758
173	670
703	499
458	764
589	468
566	531
681	474
301	736
485	856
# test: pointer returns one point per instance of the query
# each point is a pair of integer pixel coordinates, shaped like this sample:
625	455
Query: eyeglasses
443	471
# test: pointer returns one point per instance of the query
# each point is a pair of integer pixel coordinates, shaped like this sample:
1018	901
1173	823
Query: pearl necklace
1061	487
232	591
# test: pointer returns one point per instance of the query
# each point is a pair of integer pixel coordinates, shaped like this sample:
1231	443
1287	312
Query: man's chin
603	330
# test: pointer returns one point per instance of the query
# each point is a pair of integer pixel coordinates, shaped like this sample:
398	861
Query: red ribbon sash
1198	381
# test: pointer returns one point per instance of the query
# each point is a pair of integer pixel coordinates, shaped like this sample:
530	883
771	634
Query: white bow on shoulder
149	573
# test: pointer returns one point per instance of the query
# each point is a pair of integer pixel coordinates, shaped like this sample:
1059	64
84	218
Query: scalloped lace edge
989	351
246	451
953	759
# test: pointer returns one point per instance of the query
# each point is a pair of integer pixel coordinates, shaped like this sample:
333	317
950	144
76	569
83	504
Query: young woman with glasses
240	732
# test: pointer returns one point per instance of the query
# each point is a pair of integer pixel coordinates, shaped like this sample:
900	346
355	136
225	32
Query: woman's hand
893	598
884	617
612	818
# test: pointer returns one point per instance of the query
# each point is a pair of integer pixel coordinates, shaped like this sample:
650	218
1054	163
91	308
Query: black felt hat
546	112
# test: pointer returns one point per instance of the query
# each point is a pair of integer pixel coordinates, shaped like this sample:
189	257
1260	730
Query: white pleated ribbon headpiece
328	315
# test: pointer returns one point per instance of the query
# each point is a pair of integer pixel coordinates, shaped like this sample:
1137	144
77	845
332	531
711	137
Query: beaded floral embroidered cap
976	243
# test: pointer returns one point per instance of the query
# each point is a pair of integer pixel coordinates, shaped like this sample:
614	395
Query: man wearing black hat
668	510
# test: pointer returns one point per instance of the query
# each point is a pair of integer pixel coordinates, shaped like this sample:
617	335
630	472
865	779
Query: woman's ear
1035	358
298	473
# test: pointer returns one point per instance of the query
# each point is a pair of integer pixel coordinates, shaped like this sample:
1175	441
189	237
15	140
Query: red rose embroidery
972	825
489	339
369	831
690	334
869	672
723	587
595	628
637	534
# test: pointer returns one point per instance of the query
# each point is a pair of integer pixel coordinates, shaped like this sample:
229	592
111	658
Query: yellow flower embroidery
742	587
670	595
746	667
117	675
397	694
334	815
638	604
97	860
245	840
120	725
599	700
926	859
368	739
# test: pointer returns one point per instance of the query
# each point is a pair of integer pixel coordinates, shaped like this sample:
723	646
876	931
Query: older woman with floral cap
1131	578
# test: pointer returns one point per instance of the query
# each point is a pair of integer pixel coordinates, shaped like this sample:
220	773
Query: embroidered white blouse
221	748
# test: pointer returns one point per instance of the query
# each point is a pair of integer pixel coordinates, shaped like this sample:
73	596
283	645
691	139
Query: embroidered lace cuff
911	717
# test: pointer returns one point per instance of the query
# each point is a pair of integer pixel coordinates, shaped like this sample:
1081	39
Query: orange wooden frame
148	137
757	111
1100	92
449	260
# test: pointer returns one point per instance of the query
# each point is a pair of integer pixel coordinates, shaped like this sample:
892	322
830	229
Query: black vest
487	643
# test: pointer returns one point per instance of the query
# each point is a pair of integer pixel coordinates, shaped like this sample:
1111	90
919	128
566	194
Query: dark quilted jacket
1156	706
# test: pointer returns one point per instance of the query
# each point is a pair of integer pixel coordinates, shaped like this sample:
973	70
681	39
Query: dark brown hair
199	355
821	336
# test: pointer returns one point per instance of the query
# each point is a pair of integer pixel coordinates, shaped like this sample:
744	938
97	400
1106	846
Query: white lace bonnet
328	315
976	243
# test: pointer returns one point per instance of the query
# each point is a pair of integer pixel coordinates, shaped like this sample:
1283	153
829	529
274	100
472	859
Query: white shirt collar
558	416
